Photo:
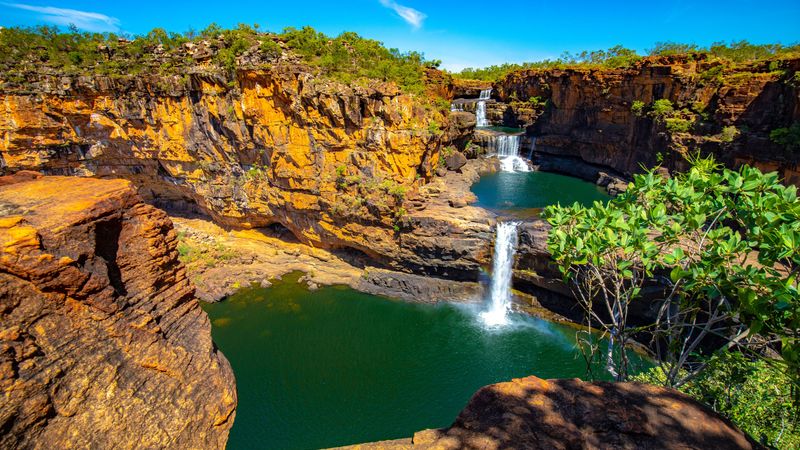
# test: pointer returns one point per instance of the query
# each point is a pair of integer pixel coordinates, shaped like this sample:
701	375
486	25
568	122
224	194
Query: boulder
455	160
531	413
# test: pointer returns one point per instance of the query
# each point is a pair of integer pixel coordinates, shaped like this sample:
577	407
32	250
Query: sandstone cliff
335	164
589	114
102	343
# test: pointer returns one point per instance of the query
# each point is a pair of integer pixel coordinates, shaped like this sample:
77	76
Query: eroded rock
102	343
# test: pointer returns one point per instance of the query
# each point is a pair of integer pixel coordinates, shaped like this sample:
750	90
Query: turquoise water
517	191
334	366
507	130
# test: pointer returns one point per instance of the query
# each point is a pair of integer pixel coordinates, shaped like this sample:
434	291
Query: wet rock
417	288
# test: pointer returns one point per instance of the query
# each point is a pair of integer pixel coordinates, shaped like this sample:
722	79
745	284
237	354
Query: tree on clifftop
718	252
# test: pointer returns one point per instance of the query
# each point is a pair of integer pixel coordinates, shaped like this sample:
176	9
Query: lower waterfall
505	246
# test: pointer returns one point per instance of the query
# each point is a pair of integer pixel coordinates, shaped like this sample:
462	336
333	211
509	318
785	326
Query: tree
718	249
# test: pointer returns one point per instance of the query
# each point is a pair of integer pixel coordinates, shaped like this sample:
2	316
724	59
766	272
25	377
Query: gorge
300	207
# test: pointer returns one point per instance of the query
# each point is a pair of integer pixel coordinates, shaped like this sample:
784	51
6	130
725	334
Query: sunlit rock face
102	342
337	165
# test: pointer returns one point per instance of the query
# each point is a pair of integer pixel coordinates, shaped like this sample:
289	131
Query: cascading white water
505	246
533	148
480	114
480	108
456	107
506	147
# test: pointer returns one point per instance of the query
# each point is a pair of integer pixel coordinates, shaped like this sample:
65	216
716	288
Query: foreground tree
716	250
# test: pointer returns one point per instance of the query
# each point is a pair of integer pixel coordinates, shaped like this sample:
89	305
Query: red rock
102	343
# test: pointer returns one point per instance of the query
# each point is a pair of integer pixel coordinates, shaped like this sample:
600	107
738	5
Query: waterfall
506	147
533	148
456	107
480	108
505	246
480	114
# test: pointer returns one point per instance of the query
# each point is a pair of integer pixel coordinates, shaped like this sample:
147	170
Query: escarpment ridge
655	111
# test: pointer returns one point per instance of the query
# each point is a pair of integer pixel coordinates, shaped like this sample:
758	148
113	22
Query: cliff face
334	164
591	116
102	343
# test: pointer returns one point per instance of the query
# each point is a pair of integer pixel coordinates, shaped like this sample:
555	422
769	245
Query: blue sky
460	33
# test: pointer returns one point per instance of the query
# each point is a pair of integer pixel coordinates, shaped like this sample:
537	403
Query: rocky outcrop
417	288
590	114
102	343
531	413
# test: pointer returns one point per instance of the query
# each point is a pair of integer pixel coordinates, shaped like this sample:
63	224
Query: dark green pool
334	366
517	191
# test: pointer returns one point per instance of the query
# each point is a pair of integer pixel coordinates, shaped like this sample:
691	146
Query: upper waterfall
506	148
480	114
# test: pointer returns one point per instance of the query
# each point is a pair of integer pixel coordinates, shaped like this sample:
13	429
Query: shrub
672	48
269	47
712	75
789	137
678	124
729	133
637	108
753	394
691	232
661	108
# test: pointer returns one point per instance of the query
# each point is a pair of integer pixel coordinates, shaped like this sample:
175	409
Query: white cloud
410	15
89	21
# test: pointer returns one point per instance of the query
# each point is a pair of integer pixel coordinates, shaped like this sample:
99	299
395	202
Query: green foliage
269	47
614	57
538	101
753	394
661	108
678	124
713	75
728	240
637	108
789	137
434	127
729	133
671	48
347	57
744	51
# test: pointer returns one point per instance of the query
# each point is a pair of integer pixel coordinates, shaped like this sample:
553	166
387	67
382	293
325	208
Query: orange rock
104	344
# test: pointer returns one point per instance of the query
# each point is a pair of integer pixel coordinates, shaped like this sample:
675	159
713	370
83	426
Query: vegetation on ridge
347	57
619	56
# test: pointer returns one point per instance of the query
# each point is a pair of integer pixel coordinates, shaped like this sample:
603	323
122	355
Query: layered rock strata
102	343
590	114
334	164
